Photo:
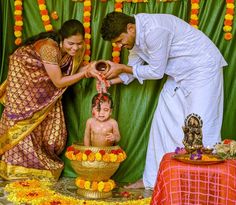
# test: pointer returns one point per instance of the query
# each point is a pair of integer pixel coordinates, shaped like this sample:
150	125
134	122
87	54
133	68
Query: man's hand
114	71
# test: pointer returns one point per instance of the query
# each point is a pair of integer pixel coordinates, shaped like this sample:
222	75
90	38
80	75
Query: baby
101	130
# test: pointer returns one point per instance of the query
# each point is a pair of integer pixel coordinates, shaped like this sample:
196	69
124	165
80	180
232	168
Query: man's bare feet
136	185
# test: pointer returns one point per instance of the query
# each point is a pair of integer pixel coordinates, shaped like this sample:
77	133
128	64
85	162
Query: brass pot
102	66
96	170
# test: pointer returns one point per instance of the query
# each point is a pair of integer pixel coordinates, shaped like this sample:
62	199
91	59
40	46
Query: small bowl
207	150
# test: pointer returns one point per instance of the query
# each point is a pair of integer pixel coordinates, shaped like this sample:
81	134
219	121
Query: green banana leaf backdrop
135	103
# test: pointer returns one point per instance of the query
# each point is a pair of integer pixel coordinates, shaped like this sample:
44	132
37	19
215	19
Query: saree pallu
32	127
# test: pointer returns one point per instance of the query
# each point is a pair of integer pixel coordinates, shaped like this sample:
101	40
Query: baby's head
102	105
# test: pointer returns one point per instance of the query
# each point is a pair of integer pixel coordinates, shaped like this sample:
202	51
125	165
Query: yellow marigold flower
134	1
100	186
84	157
98	156
118	9
227	28
19	23
114	44
86	57
45	17
115	53
120	157
42	7
18	12
195	26
230	6
17	3
49	28
194	16
112	183
87	3
17	34
87	185
87	13
229	17
86	24
195	6
88	46
113	157
87	35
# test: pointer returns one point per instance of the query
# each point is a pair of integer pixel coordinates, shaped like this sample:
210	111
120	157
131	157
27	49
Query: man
164	44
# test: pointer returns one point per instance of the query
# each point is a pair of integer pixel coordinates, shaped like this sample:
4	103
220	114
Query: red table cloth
180	183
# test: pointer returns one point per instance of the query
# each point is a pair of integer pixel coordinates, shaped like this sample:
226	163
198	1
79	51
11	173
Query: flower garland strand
87	19
194	13
18	21
44	15
115	156
100	186
228	20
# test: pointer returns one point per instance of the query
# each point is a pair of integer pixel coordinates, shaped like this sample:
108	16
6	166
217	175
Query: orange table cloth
180	183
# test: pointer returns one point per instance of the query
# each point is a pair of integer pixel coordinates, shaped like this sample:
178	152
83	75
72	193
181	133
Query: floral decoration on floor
37	192
116	155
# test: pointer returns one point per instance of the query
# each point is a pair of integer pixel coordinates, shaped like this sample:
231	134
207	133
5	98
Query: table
180	183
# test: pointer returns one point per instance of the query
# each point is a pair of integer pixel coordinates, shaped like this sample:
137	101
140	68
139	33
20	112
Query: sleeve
49	54
157	42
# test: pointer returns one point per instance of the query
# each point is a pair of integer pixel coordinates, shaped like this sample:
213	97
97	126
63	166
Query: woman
32	127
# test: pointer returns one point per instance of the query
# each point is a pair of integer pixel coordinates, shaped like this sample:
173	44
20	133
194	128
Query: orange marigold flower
195	11
229	1
116	59
41	1
18	28
230	11
18	41
94	185
18	7
44	12
194	1
228	36
18	18
87	19
228	22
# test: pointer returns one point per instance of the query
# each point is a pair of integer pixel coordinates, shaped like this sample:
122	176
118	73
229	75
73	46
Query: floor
67	187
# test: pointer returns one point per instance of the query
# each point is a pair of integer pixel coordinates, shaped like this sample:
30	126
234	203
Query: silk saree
32	126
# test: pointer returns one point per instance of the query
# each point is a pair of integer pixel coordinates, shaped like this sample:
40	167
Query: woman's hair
68	29
114	24
100	98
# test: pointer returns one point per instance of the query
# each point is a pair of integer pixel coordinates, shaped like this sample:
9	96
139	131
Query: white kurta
168	45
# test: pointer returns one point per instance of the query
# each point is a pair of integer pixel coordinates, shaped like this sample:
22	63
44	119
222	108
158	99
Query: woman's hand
92	72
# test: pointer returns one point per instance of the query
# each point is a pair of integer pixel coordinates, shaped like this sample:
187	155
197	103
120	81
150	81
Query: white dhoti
205	100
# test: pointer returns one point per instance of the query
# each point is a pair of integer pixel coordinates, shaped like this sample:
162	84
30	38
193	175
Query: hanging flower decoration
101	186
54	15
194	13
44	15
87	19
228	20
18	21
116	155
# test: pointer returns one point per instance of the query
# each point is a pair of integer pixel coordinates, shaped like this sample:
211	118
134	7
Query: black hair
114	24
100	98
68	28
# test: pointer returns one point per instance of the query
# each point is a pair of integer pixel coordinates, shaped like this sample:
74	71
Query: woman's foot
136	185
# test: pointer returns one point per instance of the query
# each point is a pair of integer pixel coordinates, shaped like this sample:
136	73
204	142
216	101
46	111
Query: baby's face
104	113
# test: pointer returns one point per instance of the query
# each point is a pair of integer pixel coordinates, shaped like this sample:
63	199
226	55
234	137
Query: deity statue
193	133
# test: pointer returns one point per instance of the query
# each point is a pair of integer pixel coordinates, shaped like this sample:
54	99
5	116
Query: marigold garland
18	21
87	19
44	15
25	192
194	13
116	156
228	19
101	186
